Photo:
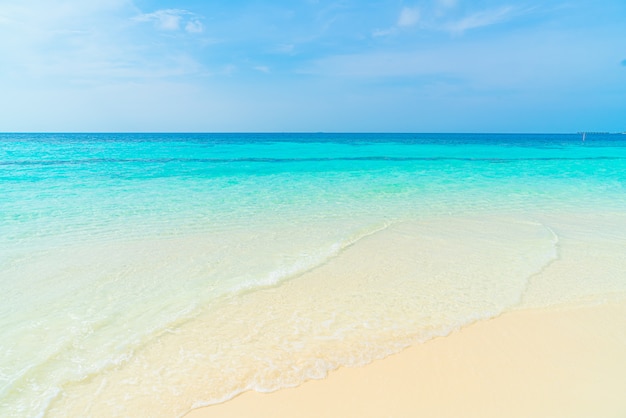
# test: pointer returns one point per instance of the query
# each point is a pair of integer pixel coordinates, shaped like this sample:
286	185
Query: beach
338	209
559	362
336	274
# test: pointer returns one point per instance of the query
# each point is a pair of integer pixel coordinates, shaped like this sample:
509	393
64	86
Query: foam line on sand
567	362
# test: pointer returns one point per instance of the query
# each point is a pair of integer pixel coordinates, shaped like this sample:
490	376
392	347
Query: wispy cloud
481	19
163	19
448	4
377	33
438	18
194	26
409	16
262	68
92	43
284	49
421	50
443	7
173	20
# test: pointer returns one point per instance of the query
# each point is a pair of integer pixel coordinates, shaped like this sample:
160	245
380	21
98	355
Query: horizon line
316	132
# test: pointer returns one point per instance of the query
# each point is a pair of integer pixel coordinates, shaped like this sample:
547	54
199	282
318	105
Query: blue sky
313	65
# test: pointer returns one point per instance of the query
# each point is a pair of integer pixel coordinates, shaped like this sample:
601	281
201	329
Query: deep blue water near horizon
109	241
532	139
421	163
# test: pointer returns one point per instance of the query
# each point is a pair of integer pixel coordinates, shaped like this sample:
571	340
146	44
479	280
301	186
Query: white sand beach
567	362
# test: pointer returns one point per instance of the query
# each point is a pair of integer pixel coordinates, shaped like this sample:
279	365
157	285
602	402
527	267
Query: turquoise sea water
169	271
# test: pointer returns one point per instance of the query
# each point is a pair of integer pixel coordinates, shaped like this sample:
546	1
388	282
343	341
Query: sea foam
158	272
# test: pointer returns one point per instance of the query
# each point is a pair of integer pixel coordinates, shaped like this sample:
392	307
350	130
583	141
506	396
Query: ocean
149	274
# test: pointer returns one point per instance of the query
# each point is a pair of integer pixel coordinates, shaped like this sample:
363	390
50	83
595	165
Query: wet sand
560	362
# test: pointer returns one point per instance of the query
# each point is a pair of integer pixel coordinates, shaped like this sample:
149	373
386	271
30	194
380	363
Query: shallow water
153	273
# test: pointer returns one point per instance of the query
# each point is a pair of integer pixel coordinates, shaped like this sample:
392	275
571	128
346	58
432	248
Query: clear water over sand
154	273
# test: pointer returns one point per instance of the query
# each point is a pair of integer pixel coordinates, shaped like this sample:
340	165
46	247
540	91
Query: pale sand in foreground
561	363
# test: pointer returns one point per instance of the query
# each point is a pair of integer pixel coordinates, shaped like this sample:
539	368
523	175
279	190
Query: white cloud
481	19
173	20
447	4
284	49
408	17
166	19
194	26
384	32
85	43
43	38
513	61
436	20
42	14
262	68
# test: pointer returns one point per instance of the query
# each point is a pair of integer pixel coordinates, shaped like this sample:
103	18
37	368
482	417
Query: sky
312	65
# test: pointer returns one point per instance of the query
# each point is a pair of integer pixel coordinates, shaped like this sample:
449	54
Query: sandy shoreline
559	362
